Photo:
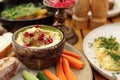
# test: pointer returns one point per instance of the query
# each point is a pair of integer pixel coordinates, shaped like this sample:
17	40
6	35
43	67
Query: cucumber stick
28	76
41	76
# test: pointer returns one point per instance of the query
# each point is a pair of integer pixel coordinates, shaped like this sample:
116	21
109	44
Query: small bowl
38	58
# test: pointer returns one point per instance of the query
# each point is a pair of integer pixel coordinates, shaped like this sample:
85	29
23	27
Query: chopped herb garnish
110	48
113	55
118	72
114	75
90	44
109	43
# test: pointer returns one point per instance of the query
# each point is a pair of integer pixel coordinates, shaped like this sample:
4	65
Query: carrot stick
50	75
75	63
68	72
73	75
71	54
59	70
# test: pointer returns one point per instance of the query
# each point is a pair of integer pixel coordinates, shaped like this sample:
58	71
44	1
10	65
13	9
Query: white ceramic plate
83	74
111	13
105	31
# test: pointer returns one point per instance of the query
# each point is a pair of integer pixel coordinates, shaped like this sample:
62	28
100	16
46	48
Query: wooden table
81	34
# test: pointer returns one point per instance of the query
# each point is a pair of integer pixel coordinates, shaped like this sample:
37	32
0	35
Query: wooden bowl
38	58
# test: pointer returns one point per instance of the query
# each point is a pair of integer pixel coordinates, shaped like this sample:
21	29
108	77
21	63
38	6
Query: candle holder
61	16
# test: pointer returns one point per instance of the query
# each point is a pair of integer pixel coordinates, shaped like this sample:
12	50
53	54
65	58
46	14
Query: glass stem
60	17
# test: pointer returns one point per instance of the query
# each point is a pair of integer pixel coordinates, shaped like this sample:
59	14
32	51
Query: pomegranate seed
37	26
26	34
41	36
48	40
27	45
31	34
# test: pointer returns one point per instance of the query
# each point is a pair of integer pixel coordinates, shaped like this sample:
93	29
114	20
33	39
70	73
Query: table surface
81	34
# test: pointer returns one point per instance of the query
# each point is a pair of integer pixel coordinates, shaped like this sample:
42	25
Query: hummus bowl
38	46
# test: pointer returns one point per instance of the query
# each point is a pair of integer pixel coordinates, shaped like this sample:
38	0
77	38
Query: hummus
38	37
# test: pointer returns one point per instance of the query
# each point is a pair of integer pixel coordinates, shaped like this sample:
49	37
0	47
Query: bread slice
8	67
5	44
